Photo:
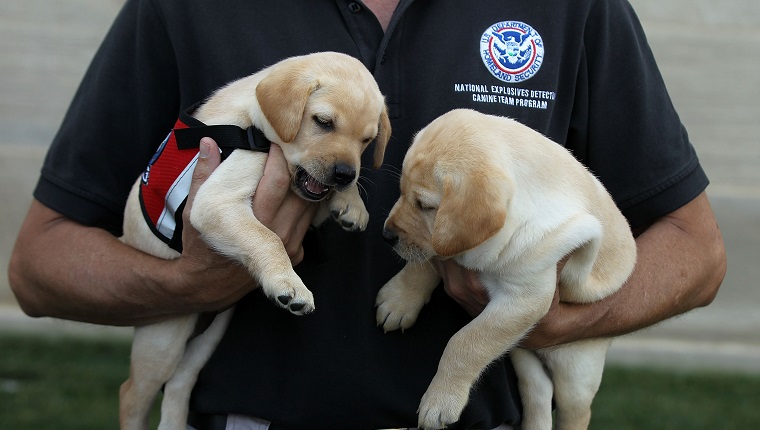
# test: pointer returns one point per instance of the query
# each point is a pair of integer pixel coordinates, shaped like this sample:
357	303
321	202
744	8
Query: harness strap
228	137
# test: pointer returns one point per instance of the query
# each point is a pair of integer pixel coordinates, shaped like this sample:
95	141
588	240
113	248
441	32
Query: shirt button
354	7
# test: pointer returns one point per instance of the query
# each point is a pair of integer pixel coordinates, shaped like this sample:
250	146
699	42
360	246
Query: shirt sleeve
632	138
124	106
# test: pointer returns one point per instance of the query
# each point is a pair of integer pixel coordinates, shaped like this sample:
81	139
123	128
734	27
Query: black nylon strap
228	137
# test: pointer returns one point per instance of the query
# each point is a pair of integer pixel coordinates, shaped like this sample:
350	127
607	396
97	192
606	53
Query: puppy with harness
323	110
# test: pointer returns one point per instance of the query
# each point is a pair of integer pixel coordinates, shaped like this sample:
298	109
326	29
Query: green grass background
61	383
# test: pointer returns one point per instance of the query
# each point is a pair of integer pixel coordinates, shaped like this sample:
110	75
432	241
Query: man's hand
462	285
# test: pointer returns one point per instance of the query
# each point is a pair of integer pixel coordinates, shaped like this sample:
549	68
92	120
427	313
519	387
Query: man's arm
681	264
63	269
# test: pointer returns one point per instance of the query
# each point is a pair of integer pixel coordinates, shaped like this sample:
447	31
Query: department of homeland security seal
512	51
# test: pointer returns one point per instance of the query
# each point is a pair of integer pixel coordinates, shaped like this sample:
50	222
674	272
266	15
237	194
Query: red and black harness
165	183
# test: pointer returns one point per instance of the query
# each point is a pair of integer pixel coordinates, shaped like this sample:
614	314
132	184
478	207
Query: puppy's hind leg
598	267
536	390
176	402
576	370
582	231
156	351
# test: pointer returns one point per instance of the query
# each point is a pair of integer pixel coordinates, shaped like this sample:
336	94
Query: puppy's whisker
386	212
393	171
366	179
429	262
362	190
390	168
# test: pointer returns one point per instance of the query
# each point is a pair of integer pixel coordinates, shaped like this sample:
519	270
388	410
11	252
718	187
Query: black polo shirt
579	72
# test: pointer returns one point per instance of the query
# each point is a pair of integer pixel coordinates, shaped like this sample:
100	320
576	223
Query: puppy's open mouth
309	187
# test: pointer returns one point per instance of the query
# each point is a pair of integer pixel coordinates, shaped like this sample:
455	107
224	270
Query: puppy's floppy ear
383	135
473	208
282	96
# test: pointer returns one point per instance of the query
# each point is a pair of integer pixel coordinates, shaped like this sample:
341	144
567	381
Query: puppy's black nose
390	237
344	174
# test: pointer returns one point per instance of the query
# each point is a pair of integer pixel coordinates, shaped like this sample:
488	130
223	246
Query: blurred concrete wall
45	47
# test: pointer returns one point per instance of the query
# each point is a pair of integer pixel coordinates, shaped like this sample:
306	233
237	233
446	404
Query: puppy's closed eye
424	206
324	122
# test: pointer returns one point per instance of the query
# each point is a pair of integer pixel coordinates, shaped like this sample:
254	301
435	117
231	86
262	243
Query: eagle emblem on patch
512	51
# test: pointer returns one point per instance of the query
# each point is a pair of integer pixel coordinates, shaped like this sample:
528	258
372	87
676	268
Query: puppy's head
326	109
453	197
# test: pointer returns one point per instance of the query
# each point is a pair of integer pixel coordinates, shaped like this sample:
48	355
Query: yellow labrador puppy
323	110
503	200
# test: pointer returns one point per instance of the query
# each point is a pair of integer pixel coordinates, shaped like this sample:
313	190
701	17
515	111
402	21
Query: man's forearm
81	273
65	270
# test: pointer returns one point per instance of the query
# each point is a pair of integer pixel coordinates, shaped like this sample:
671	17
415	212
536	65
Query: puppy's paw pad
293	296
397	308
301	306
349	217
349	225
391	321
298	308
438	411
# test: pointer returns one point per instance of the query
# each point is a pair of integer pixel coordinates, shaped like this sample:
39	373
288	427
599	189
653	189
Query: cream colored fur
503	200
291	102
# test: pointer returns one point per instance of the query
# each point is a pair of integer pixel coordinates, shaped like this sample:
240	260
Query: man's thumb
209	159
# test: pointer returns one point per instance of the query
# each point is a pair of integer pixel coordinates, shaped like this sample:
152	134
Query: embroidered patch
512	51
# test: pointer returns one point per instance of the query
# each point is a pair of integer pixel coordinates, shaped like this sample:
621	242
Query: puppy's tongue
314	186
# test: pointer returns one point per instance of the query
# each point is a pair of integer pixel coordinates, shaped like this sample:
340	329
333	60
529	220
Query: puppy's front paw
398	307
347	209
441	405
289	293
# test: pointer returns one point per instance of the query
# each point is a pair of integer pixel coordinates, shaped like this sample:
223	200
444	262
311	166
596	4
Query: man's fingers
463	286
273	187
209	159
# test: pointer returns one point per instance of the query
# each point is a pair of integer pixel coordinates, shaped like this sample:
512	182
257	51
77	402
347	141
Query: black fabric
598	92
207	421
